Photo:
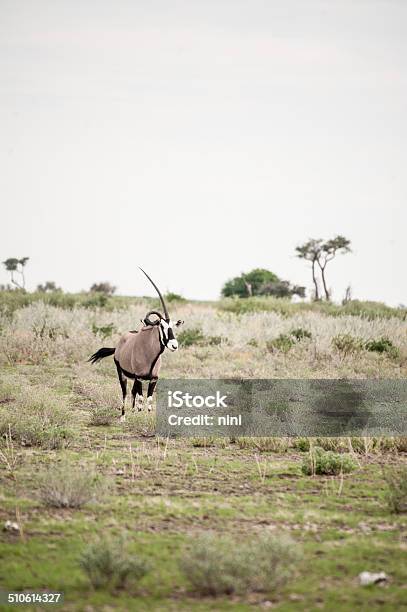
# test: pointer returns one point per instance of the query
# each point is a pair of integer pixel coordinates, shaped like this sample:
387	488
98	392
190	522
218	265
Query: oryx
138	353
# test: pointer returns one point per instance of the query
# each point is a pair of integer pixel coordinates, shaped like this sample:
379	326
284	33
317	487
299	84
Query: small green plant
299	333
323	462
70	486
347	344
253	342
396	494
302	444
282	343
194	336
383	345
104	331
191	336
223	566
109	564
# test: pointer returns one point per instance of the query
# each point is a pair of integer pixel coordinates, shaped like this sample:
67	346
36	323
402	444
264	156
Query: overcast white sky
200	139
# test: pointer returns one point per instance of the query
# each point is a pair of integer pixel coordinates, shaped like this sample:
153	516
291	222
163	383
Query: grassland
160	495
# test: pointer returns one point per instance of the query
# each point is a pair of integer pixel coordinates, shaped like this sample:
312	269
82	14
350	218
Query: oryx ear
178	323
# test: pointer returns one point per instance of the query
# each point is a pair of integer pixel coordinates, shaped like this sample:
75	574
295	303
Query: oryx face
167	333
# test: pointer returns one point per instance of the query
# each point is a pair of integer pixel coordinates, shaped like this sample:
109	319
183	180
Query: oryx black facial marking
138	353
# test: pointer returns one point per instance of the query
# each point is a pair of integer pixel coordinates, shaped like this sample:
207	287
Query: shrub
300	333
141	424
37	419
347	344
104	331
70	486
396	493
302	444
108	563
217	565
321	462
95	300
383	345
282	343
174	297
189	337
103	399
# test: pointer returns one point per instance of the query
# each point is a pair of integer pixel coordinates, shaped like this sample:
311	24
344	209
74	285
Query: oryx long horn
167	316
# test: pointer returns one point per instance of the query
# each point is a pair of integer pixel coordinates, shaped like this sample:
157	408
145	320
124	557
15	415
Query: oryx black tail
101	354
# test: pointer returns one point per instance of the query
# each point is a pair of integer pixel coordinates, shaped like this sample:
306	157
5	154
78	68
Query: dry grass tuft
223	566
265	444
102	397
70	486
396	494
37	418
109	564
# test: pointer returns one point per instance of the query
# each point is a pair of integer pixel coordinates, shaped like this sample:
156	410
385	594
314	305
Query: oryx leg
123	384
151	387
137	393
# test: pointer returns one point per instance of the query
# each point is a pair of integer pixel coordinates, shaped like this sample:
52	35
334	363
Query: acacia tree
311	251
329	250
16	266
103	287
320	253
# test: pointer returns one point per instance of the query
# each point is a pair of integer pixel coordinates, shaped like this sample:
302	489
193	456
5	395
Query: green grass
358	308
10	301
165	494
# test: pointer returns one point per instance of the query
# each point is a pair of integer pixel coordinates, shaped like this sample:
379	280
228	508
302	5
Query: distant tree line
257	282
16	268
